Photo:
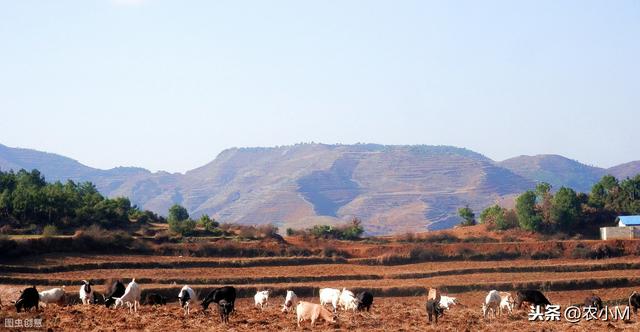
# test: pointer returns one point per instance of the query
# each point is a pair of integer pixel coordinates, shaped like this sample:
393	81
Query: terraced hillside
392	189
399	290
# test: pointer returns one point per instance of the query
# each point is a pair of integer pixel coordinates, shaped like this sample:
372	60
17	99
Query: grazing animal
28	299
365	300
330	295
131	296
491	303
261	299
227	293
535	297
54	295
98	298
312	311
86	293
347	300
118	291
225	308
290	301
506	302
155	299
433	294
634	302
433	310
186	296
447	301
593	301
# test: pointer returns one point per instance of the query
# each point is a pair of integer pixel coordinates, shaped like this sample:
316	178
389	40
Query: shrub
350	231
329	251
441	238
209	224
290	232
607	251
183	227
509	238
267	231
479	239
580	252
547	254
6	229
408	237
49	231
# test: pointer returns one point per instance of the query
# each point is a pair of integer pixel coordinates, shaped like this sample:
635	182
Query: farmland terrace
399	289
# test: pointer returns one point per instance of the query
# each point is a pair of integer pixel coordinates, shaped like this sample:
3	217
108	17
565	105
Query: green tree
209	224
467	215
544	198
490	214
182	227
322	231
178	213
604	192
528	217
629	203
353	230
497	216
565	211
49	231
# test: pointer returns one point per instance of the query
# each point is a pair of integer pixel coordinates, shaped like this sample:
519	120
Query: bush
49	231
209	224
408	237
509	238
548	254
580	252
290	232
183	227
350	231
479	239
607	251
440	238
6	229
267	231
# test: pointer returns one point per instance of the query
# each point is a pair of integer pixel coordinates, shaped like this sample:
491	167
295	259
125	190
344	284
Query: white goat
131	296
447	301
290	301
506	302
54	295
491	302
186	296
86	293
312	311
330	295
261	299
347	300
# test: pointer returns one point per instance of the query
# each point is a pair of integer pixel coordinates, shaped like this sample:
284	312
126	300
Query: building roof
630	220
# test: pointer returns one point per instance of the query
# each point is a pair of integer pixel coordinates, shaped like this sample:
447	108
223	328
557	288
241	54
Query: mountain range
391	188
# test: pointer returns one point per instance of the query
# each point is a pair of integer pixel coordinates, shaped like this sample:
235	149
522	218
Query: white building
628	228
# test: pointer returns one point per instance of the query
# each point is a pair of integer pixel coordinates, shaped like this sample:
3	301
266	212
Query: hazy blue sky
170	84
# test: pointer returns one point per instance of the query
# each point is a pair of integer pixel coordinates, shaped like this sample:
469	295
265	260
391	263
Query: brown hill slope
626	170
556	170
393	189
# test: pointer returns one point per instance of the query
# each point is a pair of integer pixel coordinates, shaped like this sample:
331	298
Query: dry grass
388	314
612	279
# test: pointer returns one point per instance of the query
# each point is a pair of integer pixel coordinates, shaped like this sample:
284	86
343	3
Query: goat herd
224	297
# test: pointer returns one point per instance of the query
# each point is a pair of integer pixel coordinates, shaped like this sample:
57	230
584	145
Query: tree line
541	210
29	203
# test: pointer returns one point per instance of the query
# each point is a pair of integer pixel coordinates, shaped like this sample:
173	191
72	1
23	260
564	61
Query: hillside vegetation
392	189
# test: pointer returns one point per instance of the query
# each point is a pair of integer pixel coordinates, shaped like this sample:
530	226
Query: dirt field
399	291
388	314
